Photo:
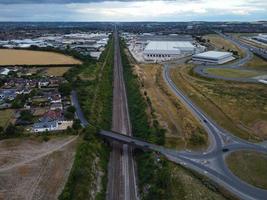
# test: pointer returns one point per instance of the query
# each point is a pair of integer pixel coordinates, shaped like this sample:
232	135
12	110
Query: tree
26	115
11	130
71	109
65	89
69	115
76	124
1	130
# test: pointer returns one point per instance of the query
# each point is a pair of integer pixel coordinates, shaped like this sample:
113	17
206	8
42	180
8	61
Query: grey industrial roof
168	45
213	55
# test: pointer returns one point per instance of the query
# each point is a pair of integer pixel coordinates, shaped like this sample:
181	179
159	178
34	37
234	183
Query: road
79	112
239	64
216	168
210	163
121	170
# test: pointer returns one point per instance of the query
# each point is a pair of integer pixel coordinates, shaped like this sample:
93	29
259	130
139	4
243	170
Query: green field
232	73
250	167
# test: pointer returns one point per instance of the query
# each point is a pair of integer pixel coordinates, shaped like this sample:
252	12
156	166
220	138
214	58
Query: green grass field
232	73
250	167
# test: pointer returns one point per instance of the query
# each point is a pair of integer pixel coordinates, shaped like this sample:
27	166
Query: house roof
52	115
46	124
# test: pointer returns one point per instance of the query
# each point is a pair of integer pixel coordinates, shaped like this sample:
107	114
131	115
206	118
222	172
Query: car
204	120
225	149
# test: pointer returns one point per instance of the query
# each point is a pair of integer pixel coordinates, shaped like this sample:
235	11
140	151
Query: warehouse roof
213	55
168	45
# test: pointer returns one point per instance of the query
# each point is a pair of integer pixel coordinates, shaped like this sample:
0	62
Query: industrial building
261	38
167	50
213	57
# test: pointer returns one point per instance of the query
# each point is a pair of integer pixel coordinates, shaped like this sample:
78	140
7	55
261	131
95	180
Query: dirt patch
181	126
260	128
31	169
28	57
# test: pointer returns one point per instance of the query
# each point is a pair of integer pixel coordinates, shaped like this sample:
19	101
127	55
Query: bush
154	177
26	115
95	97
65	89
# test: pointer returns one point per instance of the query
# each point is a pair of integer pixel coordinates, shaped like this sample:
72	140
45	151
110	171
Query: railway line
121	169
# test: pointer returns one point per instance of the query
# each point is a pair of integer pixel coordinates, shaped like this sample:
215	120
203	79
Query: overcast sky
128	10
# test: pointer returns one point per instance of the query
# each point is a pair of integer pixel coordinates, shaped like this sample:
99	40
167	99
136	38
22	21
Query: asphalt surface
210	163
215	167
121	171
78	112
238	64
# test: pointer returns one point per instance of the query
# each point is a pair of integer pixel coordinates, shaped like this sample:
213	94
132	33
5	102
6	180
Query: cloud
179	10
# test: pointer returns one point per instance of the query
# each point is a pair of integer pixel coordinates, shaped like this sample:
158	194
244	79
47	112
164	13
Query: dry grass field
257	63
232	73
241	108
28	57
222	44
186	186
56	71
5	117
251	167
181	126
34	169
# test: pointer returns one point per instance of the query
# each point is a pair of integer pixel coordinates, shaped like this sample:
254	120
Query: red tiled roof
53	114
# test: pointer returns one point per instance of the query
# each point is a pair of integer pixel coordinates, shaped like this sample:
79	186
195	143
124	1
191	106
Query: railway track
121	169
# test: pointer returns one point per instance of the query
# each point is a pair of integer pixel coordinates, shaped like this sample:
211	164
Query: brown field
181	126
257	63
56	71
28	57
238	107
184	185
251	167
6	116
34	169
222	44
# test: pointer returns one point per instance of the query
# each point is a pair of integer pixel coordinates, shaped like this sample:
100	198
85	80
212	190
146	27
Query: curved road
248	50
210	163
222	143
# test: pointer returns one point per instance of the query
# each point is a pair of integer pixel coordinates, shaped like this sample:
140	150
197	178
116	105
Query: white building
56	125
4	71
213	57
167	50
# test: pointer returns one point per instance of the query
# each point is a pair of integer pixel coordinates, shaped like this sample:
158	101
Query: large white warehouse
166	50
213	57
